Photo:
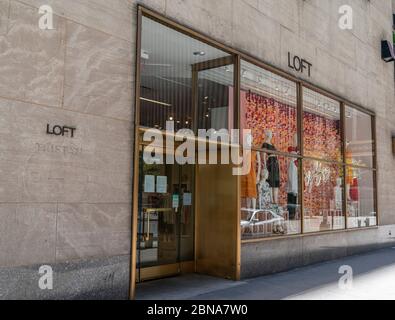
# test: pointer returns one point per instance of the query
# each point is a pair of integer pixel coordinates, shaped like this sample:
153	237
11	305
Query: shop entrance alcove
187	221
186	217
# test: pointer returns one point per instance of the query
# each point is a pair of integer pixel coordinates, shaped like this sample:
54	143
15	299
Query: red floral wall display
262	114
321	140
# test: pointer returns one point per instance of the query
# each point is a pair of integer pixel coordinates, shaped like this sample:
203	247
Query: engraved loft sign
63	131
298	64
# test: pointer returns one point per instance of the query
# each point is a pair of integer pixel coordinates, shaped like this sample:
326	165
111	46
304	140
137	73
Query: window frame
301	84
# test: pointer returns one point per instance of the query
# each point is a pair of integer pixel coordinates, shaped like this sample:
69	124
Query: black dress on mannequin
273	167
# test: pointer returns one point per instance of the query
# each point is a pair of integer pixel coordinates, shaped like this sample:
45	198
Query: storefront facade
316	99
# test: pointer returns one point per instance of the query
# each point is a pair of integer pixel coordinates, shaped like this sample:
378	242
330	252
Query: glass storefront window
192	84
178	73
361	210
215	98
321	126
270	197
323	196
359	138
268	108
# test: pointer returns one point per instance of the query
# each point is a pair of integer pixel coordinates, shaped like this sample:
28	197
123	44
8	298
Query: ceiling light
144	54
156	102
199	53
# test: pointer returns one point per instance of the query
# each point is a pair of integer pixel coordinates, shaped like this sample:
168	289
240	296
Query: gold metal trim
213	64
158	272
148	213
135	166
296	236
237	125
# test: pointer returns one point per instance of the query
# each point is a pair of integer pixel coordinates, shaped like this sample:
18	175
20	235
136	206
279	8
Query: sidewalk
374	278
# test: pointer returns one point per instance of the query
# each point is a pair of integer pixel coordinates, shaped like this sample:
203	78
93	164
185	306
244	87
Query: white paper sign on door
187	199
149	184
161	184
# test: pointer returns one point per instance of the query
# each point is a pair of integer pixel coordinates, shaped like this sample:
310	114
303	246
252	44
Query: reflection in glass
270	197
323	197
359	138
321	126
168	85
268	108
360	198
215	98
166	216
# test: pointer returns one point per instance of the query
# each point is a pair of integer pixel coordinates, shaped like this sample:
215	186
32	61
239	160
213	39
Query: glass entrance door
166	220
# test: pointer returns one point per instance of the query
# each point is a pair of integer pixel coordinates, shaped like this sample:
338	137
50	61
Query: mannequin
354	187
265	197
250	181
338	192
255	162
293	184
350	171
272	166
313	177
352	184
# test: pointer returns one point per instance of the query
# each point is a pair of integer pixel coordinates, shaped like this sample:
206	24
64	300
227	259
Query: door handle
148	212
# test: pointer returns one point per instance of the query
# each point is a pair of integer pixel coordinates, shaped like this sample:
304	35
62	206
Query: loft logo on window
299	64
63	131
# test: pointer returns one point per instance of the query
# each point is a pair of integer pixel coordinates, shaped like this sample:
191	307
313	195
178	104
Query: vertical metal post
237	125
300	130
375	167
344	160
135	165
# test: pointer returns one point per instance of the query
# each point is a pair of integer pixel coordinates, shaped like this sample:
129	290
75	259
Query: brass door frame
170	270
166	270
